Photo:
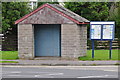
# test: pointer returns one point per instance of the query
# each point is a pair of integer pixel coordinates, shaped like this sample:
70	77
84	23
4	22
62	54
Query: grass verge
100	55
9	55
8	62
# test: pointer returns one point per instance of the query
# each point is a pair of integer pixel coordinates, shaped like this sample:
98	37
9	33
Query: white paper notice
107	31
95	31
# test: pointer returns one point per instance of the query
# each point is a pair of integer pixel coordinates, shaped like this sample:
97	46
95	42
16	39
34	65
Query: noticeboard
102	30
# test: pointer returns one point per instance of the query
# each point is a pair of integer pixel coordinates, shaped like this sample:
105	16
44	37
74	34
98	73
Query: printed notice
107	31
95	31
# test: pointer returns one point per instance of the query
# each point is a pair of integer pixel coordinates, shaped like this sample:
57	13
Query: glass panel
107	31
95	31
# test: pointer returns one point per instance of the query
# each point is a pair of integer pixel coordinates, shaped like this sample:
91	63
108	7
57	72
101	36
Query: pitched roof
61	10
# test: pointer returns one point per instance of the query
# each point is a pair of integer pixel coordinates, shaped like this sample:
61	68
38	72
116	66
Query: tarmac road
60	71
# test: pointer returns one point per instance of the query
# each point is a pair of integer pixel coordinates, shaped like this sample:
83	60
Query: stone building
52	30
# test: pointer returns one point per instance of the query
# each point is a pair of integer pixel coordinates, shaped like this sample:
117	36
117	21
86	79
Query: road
59	72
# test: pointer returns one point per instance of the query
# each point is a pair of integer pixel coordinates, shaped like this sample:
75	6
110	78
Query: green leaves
11	11
90	10
114	15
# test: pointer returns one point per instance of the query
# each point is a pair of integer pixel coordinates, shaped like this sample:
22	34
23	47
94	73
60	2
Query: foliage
11	11
115	16
92	11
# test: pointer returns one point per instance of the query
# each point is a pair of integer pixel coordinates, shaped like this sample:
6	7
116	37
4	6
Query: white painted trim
33	0
102	22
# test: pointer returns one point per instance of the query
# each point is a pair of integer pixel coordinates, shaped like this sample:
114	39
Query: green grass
8	62
100	55
9	55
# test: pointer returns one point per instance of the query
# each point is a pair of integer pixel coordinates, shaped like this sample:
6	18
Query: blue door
47	40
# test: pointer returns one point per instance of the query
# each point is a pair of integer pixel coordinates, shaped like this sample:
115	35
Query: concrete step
47	58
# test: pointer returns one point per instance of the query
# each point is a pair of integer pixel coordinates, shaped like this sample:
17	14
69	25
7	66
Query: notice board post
102	30
92	48
110	53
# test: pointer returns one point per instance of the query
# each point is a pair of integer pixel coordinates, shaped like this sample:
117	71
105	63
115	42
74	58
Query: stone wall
73	40
82	40
25	41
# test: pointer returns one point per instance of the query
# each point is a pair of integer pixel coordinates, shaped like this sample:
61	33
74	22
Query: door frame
59	40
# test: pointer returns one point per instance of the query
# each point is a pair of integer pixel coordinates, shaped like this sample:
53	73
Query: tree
93	11
114	15
11	11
